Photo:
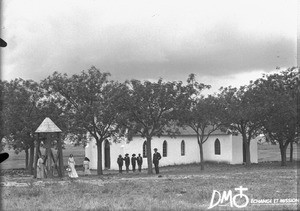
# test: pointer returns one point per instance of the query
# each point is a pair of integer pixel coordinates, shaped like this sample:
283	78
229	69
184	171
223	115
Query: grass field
180	187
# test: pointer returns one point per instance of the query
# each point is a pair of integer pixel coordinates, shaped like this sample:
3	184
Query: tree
49	106
277	94
90	101
21	117
201	114
149	108
241	114
3	115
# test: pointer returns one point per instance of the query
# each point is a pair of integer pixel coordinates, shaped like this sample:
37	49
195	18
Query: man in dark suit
133	162
127	162
139	160
156	158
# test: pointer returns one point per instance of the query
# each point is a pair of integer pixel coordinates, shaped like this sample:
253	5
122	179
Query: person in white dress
71	163
40	168
86	165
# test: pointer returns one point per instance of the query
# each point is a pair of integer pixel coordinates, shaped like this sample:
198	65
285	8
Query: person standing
71	164
156	158
139	160
133	162
86	165
120	163
40	174
127	162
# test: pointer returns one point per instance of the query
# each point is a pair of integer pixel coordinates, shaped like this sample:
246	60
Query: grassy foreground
179	188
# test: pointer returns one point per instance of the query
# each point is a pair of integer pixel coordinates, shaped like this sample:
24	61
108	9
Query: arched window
217	147
182	148
165	148
145	149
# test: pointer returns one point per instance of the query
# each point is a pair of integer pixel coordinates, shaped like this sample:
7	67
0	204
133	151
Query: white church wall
116	149
91	153
173	157
173	150
121	149
237	149
225	145
253	151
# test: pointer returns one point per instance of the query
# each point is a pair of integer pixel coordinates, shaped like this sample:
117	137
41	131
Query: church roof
188	131
47	126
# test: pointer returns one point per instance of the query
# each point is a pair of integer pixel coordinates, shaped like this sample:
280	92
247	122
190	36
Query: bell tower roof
48	126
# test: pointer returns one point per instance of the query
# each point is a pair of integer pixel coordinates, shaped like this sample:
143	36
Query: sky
223	42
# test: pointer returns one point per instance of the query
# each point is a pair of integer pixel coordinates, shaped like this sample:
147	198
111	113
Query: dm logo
239	200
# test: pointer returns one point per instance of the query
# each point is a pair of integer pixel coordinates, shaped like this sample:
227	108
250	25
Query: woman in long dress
86	165
40	174
71	164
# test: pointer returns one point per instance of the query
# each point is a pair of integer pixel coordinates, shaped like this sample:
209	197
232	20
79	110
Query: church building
220	147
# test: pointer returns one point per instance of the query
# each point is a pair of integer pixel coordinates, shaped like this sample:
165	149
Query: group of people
72	173
71	167
134	160
137	160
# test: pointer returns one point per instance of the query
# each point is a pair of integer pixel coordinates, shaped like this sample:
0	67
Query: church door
106	155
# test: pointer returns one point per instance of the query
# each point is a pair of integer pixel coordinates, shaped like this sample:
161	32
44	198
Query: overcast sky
226	42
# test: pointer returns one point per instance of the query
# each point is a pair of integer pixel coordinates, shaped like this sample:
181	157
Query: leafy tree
49	106
21	117
90	102
277	94
201	114
149	108
241	114
3	115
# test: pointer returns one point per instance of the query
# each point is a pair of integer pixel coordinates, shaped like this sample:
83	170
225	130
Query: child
139	162
86	165
133	162
120	163
127	162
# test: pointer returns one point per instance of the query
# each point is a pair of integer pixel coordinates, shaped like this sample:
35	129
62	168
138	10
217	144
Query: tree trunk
37	154
149	155
248	160
291	151
283	154
31	158
48	154
99	161
54	165
201	154
247	150
26	158
201	157
61	172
